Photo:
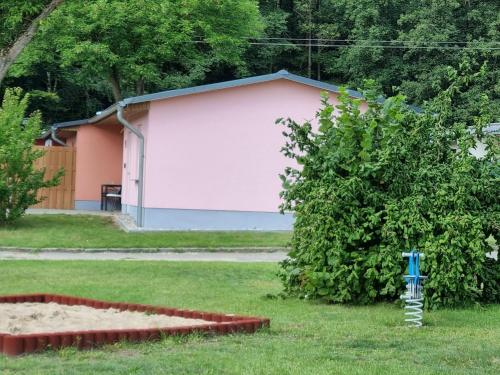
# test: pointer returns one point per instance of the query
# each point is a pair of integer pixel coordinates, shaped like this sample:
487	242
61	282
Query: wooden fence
63	195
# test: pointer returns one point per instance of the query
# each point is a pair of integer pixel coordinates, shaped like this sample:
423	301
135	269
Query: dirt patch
27	318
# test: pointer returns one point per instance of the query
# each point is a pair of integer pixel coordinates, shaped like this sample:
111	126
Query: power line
378	46
279	44
370	40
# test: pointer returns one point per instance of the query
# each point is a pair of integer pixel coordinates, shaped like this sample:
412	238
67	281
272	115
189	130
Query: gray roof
282	74
68	124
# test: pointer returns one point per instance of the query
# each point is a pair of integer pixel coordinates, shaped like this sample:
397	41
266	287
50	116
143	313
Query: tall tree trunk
139	87
114	80
88	112
10	54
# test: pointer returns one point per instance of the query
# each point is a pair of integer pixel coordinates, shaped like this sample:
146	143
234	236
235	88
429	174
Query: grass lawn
75	231
305	337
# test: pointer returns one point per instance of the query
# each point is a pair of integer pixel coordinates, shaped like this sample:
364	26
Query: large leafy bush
19	179
374	182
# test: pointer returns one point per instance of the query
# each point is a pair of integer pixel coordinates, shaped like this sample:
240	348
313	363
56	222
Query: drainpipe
54	137
140	179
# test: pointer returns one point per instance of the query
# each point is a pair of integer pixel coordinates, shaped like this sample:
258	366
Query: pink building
211	153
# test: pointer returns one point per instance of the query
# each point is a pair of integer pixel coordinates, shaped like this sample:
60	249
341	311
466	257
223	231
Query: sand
26	318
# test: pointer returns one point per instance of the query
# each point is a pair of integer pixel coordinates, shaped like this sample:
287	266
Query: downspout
140	178
54	137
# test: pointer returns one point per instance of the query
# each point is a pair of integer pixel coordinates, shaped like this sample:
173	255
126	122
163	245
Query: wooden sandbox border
13	345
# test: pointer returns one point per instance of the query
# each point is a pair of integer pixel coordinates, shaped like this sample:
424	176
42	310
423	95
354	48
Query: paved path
114	255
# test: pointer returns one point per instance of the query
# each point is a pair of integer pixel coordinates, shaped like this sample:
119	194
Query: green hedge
371	184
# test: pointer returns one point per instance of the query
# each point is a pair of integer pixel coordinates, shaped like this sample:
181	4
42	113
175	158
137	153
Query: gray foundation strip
152	256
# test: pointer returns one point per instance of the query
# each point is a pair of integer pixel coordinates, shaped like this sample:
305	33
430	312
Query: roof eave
101	115
282	74
67	124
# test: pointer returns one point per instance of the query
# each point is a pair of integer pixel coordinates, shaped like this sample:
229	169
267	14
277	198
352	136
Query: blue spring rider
414	290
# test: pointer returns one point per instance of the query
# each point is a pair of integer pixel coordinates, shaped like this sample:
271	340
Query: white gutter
140	177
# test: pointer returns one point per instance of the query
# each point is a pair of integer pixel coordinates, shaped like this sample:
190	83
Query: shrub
19	179
372	184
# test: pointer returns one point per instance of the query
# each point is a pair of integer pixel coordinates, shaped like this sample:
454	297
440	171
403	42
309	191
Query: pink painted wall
220	150
98	159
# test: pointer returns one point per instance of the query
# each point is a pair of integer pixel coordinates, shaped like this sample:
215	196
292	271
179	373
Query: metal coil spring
414	311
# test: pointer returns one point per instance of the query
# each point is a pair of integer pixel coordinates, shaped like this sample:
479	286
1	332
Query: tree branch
114	80
8	57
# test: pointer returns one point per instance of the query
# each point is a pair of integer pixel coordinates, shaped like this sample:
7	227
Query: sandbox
35	322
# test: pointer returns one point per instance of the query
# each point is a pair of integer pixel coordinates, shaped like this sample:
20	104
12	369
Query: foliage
15	16
19	23
489	280
263	59
83	47
19	179
139	46
428	37
372	184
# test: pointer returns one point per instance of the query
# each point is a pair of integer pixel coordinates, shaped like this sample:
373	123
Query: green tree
139	46
268	56
19	179
99	51
467	24
373	184
404	46
19	21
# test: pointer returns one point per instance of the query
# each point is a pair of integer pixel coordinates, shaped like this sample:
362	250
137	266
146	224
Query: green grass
305	337
75	231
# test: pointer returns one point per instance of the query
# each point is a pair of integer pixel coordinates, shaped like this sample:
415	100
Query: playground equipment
413	296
